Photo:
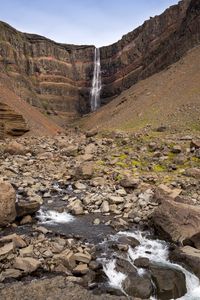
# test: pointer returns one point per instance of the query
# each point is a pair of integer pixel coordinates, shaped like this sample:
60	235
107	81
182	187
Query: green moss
122	164
136	163
159	168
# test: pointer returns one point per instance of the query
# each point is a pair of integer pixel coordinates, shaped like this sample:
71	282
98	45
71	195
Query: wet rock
137	286
7	203
127	240
176	221
188	256
26	264
170	283
142	262
25	208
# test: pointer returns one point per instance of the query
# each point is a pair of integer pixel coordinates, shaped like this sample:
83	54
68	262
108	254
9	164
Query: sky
91	22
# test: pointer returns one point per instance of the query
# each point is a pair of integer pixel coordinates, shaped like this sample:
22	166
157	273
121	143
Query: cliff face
57	77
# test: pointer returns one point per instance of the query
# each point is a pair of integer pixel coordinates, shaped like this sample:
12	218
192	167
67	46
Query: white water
52	217
96	82
156	251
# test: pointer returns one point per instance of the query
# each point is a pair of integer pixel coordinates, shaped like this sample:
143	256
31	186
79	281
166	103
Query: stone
82	257
80	186
76	207
128	240
17	240
81	269
172	193
193	172
176	149
142	262
28	251
26	220
67	258
15	148
6	250
85	171
115	199
26	264
176	221
195	144
138	286
97	221
25	208
7	203
105	208
129	182
170	283
10	273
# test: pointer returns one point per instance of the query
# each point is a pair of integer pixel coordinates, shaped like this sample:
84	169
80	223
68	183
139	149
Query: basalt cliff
57	78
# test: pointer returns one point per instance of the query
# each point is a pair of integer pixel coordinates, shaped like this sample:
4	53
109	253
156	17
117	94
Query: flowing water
156	251
96	82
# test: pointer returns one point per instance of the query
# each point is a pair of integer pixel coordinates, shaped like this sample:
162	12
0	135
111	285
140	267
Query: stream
155	250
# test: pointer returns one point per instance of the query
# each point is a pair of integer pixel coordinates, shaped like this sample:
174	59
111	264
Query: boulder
195	144
82	257
138	286
175	221
188	256
81	269
129	182
76	207
7	203
6	250
15	148
170	283
142	262
26	264
25	208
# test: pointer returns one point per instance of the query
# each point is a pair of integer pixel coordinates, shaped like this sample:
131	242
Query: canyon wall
57	78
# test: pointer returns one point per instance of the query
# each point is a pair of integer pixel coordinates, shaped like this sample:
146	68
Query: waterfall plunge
96	82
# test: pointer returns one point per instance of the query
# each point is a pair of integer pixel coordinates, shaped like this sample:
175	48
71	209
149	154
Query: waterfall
96	82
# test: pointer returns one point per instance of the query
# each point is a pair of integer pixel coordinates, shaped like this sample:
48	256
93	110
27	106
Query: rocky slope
57	77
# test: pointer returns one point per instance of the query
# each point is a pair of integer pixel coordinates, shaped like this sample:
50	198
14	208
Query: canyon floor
82	199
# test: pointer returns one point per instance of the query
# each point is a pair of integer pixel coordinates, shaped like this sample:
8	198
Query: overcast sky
98	22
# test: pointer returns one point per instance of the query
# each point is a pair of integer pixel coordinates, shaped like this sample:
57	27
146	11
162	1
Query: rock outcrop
57	77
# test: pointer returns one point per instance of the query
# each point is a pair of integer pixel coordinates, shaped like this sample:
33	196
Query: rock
71	150
97	181
67	258
5	250
81	269
14	148
172	193
82	257
170	283
188	256
26	264
176	221
142	262
129	182
193	172
195	144
85	171
80	186
105	208
76	207
138	286
25	208
91	133
128	240
115	199
26	220
176	149
18	242
10	273
97	221
7	203
28	251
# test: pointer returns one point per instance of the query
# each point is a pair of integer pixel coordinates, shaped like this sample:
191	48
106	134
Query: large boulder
7	203
175	221
15	148
170	283
85	171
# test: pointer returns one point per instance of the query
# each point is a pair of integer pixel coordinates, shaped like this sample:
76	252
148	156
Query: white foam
115	278
52	217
